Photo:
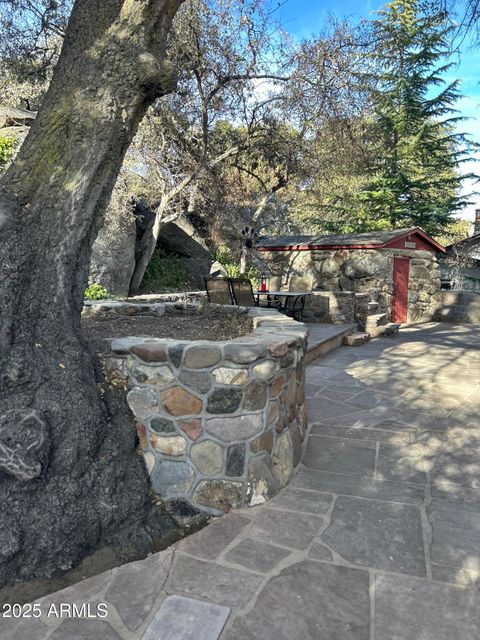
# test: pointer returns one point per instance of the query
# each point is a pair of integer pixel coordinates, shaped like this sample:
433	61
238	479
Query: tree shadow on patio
406	411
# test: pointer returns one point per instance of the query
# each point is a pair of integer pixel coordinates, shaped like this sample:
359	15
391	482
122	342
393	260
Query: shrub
95	292
225	258
7	150
165	272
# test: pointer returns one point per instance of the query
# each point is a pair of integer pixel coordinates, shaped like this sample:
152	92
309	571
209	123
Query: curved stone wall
220	424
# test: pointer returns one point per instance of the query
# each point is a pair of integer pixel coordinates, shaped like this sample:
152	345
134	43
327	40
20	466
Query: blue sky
302	18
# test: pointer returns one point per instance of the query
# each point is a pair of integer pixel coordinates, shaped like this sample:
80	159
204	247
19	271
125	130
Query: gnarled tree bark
69	474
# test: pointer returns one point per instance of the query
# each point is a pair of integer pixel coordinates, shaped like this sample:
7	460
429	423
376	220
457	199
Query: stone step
356	339
392	328
373	308
365	312
323	338
376	320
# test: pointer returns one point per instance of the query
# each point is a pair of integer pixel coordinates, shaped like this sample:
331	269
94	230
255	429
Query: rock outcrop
182	238
113	253
15	123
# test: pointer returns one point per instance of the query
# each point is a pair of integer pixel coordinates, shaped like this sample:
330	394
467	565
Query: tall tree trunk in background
69	474
152	233
249	254
148	246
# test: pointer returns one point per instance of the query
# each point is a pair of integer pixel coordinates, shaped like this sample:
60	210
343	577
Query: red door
401	269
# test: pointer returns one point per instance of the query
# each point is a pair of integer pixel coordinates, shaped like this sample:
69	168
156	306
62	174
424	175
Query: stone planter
220	424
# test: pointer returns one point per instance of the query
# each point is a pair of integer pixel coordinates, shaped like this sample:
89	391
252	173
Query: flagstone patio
377	537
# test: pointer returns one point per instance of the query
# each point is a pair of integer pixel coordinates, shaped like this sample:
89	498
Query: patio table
293	303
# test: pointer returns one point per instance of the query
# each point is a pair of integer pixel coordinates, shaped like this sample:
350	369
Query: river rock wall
221	424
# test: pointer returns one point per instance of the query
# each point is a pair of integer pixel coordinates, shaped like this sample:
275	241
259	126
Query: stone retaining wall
457	306
172	296
221	424
146	303
169	304
363	271
333	306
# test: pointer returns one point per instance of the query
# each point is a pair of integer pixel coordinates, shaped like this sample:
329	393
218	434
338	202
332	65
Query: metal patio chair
219	290
243	292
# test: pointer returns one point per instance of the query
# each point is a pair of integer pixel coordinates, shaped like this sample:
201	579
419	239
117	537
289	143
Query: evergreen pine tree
415	180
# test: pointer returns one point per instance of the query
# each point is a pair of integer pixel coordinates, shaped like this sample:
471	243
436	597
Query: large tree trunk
69	475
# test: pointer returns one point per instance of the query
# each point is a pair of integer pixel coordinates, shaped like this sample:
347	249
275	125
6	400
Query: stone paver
456	457
402	462
22	628
188	619
403	436
218	584
133	590
377	537
310	601
320	552
381	535
329	409
415	609
298	500
342	456
81	629
455	534
211	541
256	555
456	576
360	487
369	399
454	492
289	529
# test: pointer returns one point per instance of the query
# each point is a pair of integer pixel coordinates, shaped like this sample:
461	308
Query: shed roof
369	240
470	244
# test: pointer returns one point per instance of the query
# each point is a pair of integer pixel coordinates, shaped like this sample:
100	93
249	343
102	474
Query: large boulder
181	237
15	123
113	253
367	265
11	117
329	268
217	270
198	269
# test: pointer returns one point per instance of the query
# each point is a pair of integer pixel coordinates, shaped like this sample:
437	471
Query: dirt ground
212	325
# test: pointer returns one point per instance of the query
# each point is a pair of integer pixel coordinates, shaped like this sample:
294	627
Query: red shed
398	268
